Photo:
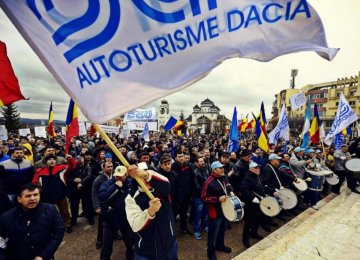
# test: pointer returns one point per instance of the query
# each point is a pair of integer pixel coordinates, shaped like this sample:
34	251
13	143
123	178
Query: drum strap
275	174
223	187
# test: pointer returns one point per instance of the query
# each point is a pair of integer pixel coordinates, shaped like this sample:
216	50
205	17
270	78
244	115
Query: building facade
327	97
207	118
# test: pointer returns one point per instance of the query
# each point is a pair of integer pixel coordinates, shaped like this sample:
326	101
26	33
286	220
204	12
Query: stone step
277	243
336	236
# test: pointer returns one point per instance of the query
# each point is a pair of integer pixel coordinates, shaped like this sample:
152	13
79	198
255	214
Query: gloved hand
256	200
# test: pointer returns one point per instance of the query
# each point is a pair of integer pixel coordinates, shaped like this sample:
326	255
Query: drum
232	209
332	178
317	180
288	198
270	206
301	185
354	166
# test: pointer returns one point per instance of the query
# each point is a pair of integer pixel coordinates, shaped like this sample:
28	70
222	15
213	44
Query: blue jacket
14	174
155	235
37	232
112	201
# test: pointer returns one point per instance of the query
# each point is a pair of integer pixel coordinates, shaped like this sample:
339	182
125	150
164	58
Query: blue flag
234	134
307	124
145	133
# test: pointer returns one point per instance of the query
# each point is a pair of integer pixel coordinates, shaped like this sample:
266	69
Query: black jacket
112	201
185	177
269	178
200	176
37	232
253	184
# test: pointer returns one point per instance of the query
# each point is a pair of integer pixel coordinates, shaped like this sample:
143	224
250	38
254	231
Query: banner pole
122	159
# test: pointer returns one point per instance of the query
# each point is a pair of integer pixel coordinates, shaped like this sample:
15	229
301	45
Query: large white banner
141	114
297	100
141	125
40	131
344	117
24	131
114	56
3	133
282	129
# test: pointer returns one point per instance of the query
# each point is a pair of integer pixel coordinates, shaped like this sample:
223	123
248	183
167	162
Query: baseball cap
108	155
253	165
216	164
311	151
273	157
120	171
165	158
298	149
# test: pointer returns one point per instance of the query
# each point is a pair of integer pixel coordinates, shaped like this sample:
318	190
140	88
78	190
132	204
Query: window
352	103
337	103
338	94
352	92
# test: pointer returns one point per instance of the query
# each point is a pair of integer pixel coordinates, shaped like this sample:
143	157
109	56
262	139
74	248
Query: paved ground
81	243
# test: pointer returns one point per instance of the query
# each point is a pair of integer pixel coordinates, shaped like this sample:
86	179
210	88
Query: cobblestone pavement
80	244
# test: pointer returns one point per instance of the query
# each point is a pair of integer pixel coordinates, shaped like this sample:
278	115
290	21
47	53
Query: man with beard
185	181
200	208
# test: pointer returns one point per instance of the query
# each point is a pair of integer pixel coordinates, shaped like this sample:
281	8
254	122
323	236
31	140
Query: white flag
344	117
358	128
114	56
297	100
282	128
145	134
322	131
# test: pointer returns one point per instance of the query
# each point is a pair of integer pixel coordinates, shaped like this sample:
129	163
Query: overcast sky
240	82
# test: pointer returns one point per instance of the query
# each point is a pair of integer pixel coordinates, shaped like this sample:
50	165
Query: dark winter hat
46	158
245	152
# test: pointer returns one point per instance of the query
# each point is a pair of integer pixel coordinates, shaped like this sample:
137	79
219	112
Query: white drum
354	166
332	178
232	209
288	198
301	185
270	206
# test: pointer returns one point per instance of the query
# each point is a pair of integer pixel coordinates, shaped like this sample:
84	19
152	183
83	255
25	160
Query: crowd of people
43	191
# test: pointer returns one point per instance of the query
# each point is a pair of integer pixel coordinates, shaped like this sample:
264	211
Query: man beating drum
341	157
253	190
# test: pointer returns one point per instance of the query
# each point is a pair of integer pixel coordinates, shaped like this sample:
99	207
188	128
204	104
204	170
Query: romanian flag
263	119
170	123
242	126
72	124
251	124
9	85
262	140
315	127
50	129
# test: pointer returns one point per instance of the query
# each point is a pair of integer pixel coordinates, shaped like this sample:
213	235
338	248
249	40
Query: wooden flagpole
122	159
